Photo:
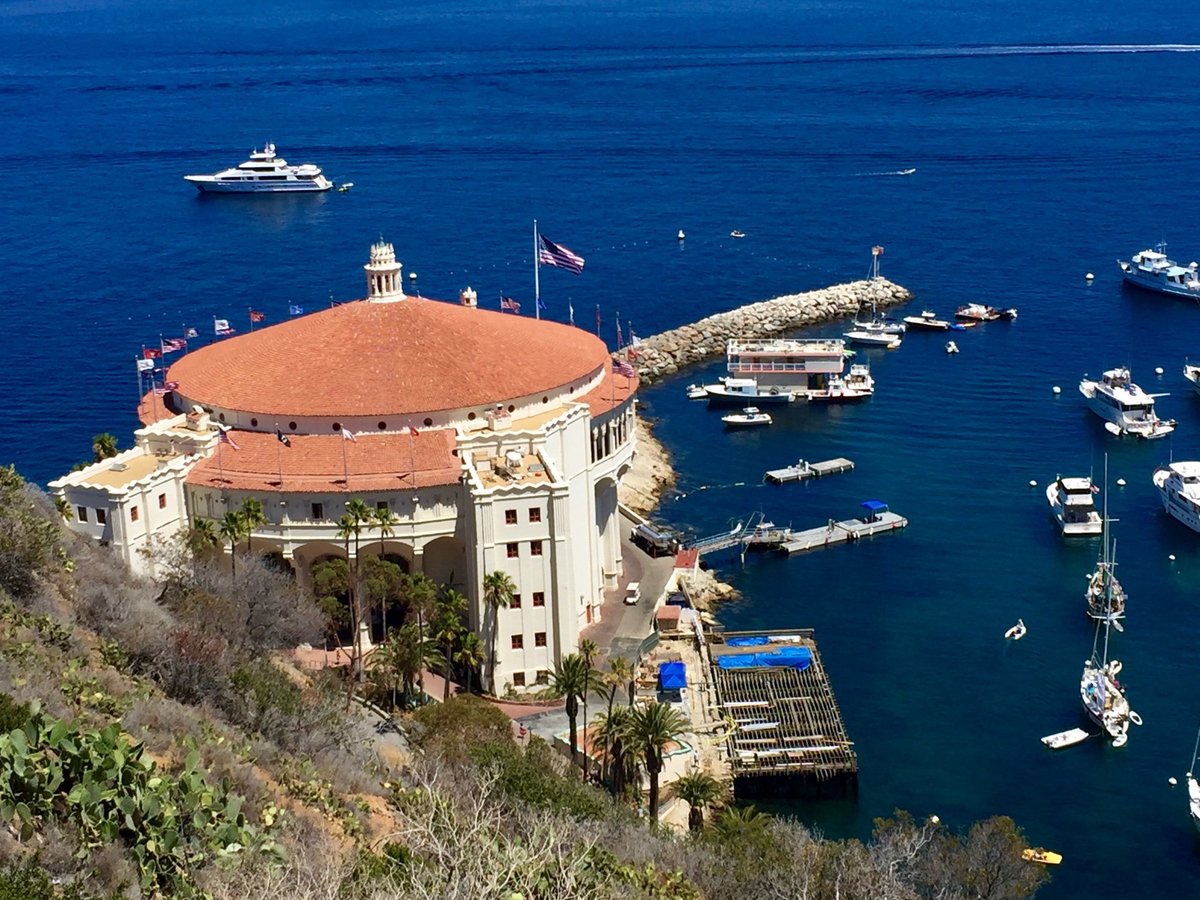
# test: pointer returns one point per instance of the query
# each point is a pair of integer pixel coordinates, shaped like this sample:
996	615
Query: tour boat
1192	374
1041	855
1126	408
749	416
768	371
1017	632
1066	738
978	312
1179	486
857	385
951	347
1072	500
741	390
1154	271
927	320
263	172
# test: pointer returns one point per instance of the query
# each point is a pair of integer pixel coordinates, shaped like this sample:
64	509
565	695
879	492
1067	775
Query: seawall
668	352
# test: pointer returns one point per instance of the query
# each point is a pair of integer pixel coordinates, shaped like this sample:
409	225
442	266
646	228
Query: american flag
623	368
508	304
256	316
224	438
170	345
552	254
877	250
167	386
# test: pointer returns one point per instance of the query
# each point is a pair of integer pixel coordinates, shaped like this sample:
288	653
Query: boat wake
883	174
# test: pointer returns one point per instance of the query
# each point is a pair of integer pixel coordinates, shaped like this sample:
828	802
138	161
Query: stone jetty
668	352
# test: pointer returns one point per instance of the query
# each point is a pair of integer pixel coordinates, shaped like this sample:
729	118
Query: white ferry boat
263	172
1073	502
1124	406
1179	486
777	370
1154	271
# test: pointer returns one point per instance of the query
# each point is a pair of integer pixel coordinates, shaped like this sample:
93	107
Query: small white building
497	441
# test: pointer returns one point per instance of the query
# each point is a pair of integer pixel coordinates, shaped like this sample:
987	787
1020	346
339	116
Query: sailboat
1194	788
1105	596
1102	695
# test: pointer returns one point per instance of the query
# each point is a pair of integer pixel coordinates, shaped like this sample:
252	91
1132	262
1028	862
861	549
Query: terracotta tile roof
153	408
313	463
610	393
378	359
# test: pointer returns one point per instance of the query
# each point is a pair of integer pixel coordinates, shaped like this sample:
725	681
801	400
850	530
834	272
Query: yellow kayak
1041	855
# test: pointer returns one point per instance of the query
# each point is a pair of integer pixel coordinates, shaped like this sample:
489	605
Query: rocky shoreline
668	352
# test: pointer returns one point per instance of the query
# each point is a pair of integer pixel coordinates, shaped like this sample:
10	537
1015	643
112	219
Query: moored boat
750	416
1194	787
979	312
1124	406
263	173
743	390
1153	270
1041	855
1178	485
1067	738
1073	503
928	321
873	338
1192	374
778	370
951	347
856	385
1017	632
697	392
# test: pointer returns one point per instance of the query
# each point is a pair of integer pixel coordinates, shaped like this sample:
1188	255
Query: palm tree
620	673
203	537
447	627
232	529
698	790
405	655
253	516
104	446
654	726
383	520
588	650
64	508
350	525
420	596
740	822
498	593
570	680
614	729
470	655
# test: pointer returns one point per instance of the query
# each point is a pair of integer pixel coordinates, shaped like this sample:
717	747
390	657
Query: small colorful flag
151	353
283	438
508	304
145	365
541	304
221	327
552	254
349	436
620	340
256	316
413	431
632	353
171	345
877	250
224	438
295	310
623	368
167	386
190	333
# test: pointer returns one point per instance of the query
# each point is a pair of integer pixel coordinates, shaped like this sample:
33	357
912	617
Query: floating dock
877	520
784	731
802	470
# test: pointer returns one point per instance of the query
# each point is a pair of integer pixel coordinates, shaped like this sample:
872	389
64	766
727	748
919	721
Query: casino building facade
497	441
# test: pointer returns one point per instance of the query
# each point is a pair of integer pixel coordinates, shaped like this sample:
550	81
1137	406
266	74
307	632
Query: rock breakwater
668	352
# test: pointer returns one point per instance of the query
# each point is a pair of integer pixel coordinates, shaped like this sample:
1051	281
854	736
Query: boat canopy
874	506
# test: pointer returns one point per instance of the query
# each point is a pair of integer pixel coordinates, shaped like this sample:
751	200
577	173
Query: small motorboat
681	235
737	234
1017	631
928	321
873	338
697	392
978	312
951	347
907	172
749	416
1068	738
1041	855
345	186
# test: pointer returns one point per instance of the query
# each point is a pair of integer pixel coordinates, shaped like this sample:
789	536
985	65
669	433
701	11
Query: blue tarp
672	676
786	657
874	505
758	641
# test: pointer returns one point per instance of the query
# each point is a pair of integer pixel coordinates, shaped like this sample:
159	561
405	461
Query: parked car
633	593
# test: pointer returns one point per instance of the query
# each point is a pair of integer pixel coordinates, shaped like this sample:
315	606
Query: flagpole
279	457
537	293
345	465
250	311
597	320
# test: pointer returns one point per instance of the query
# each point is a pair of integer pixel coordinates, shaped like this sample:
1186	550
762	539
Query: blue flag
295	310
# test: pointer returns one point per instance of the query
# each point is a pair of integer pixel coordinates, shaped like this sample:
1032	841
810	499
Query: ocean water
1048	138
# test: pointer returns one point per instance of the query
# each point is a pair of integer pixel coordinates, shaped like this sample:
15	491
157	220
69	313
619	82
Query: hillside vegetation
155	741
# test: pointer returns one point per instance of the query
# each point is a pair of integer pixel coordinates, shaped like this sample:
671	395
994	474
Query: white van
633	593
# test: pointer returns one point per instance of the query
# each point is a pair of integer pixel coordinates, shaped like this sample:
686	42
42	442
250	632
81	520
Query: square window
516	602
162	501
513	550
535	514
510	517
518	679
539	598
539	639
381	505
102	516
133	514
518	642
535	548
318	510
81	513
543	676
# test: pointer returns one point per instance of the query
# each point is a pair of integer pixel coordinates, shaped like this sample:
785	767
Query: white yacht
749	416
263	172
1126	408
1155	271
1179	486
1192	374
1073	502
872	337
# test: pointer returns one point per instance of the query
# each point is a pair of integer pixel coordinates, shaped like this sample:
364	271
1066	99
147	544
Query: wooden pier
802	470
784	731
878	520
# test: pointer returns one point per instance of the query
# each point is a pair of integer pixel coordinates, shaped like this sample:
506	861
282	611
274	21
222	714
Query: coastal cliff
668	352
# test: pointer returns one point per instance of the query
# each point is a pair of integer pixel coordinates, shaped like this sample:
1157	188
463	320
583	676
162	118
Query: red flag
413	431
256	316
151	353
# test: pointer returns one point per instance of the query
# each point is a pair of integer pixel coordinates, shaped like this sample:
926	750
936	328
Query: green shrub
528	776
12	714
29	881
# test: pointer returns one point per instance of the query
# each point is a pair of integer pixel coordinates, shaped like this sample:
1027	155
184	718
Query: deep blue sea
1049	138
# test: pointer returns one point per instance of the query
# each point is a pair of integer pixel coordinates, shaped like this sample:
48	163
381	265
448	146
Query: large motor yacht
1126	408
1154	271
1179	486
1073	502
263	172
